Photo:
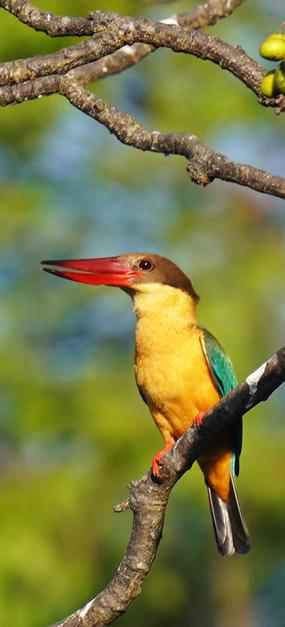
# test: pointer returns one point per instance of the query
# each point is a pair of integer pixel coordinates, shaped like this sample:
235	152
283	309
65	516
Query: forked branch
58	26
116	42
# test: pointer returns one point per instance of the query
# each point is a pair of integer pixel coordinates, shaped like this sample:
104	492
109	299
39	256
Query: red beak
105	271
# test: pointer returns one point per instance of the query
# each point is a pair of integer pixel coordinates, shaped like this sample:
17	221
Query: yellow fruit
268	87
279	80
273	47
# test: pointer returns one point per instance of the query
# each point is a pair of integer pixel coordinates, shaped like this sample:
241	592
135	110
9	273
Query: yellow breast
170	366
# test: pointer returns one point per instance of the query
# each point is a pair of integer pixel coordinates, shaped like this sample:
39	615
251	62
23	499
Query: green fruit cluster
273	48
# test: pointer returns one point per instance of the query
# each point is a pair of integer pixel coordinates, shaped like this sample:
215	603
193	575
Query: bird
181	371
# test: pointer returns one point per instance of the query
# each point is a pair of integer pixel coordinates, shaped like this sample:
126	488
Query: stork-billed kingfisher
181	371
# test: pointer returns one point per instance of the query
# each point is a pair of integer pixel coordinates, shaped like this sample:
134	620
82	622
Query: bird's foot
198	420
156	462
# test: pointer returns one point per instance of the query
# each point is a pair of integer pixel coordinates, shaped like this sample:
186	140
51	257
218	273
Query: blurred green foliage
73	428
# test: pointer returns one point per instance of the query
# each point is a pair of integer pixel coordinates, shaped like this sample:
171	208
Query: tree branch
115	43
61	61
208	14
114	31
125	57
191	41
204	164
63	71
148	499
59	26
46	21
202	15
29	90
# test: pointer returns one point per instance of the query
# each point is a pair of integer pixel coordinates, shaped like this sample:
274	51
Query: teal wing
225	379
220	364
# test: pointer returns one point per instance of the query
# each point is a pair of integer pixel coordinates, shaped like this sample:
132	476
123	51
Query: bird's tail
230	529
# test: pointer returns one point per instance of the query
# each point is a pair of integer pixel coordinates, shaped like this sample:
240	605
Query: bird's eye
145	264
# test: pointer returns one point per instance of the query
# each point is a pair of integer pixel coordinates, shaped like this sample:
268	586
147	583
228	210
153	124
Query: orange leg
156	462
198	419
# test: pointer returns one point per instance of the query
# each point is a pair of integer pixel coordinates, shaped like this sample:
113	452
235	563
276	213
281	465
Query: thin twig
208	14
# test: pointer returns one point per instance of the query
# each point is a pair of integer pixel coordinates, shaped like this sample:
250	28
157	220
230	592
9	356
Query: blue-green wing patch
225	379
220	364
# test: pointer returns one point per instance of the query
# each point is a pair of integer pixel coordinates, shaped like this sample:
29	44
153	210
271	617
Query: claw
198	420
156	462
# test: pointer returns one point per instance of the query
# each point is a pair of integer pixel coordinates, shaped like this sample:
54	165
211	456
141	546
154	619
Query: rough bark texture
58	26
148	499
117	42
204	165
113	44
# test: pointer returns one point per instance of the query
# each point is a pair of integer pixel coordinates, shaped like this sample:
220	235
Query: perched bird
181	371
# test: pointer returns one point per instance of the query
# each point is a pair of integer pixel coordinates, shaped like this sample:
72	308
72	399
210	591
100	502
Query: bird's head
135	273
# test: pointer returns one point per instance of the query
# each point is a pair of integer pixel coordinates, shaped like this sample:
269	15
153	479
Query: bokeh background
74	430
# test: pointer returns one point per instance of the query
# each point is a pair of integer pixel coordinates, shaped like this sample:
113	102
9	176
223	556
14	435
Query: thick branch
199	16
204	164
58	26
62	60
113	31
29	90
148	499
46	21
191	41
